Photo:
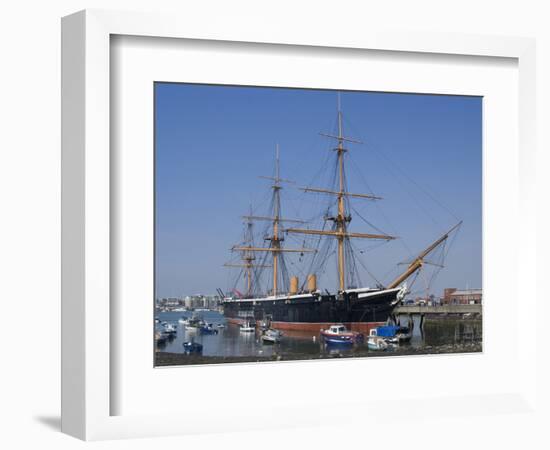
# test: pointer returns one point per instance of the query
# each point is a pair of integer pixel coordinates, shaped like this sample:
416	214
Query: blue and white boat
339	334
389	333
207	328
394	334
375	342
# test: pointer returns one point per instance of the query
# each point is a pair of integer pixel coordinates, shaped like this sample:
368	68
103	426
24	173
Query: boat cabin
337	329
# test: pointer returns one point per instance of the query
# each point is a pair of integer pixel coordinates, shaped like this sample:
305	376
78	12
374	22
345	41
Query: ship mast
342	218
276	238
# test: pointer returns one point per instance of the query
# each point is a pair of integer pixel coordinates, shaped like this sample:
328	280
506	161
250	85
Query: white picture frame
87	354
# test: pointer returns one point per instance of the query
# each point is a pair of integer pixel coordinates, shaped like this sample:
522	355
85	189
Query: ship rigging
287	304
276	238
343	217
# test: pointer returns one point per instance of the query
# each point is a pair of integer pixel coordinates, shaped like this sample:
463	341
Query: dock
438	309
434	310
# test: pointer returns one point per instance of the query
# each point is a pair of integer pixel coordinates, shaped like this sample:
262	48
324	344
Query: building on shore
198	301
169	302
454	296
430	300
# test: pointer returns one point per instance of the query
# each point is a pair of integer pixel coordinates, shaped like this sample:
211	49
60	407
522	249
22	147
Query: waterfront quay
438	309
457	313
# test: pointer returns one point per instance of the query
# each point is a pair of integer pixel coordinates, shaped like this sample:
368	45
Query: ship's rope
411	284
323	177
403	174
379	230
319	260
445	249
369	272
354	279
399	174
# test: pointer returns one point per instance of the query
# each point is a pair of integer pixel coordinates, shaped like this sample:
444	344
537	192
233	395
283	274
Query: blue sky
422	153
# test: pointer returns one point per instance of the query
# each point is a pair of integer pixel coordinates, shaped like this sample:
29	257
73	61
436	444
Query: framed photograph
284	218
305	282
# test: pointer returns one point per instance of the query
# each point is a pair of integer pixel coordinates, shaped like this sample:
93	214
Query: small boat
265	324
220	325
183	320
394	334
339	334
192	347
170	329
248	326
375	342
271	336
161	338
404	334
207	328
389	333
194	323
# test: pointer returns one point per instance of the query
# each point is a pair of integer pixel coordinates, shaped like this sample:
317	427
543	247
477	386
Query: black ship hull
311	312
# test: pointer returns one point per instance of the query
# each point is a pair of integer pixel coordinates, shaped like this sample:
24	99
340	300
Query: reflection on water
450	331
230	341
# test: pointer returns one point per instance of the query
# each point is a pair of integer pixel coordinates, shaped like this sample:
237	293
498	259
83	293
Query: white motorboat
248	326
375	342
194	323
170	328
272	336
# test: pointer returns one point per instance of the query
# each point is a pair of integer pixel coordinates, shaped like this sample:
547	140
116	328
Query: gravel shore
178	359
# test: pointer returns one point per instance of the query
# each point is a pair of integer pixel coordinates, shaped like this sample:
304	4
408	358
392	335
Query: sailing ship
289	306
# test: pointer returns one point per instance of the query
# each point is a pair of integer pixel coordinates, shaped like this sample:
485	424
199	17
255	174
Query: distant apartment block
190	302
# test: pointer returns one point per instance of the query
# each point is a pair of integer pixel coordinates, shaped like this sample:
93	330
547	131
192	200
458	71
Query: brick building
454	296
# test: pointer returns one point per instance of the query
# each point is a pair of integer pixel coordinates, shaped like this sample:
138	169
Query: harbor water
449	335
